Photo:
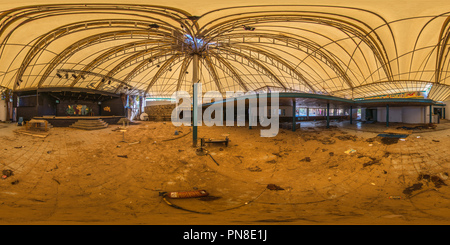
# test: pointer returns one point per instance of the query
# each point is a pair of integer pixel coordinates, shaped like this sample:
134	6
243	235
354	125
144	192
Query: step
89	124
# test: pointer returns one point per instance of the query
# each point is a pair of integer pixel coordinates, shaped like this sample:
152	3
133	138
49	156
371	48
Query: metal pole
387	115
195	99
351	114
293	115
328	115
249	117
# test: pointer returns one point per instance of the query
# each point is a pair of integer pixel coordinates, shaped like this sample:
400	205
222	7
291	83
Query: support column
351	114
443	113
387	115
250	117
294	119
431	115
328	115
195	100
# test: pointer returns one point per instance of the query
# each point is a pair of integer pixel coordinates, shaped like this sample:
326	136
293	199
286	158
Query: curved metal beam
90	41
163	69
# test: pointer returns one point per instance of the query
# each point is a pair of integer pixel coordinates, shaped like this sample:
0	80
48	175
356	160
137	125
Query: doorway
438	111
371	115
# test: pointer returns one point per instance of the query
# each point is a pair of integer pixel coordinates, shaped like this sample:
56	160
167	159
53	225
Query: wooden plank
397	131
34	134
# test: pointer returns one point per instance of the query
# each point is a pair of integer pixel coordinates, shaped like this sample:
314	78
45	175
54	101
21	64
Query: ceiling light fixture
248	28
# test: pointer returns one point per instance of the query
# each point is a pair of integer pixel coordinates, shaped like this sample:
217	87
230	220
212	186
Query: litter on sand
7	173
349	151
185	194
274	187
395	197
393	135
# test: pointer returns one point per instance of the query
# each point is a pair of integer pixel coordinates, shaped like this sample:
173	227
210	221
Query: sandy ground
79	177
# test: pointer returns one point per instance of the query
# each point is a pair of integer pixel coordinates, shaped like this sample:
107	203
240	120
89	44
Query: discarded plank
397	131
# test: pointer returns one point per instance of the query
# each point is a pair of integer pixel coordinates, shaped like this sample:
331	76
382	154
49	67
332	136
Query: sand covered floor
74	176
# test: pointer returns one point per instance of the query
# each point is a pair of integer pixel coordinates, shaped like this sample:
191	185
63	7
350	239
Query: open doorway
438	111
371	115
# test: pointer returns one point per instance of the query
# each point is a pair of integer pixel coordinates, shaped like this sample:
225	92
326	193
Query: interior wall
286	111
47	105
113	107
413	114
447	109
395	114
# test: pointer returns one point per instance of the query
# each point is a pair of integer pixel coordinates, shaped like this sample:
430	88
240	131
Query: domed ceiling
349	49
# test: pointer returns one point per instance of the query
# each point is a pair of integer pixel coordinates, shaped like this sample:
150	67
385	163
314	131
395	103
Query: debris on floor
347	137
397	131
186	194
254	169
213	159
371	162
350	151
389	140
201	151
306	159
204	141
274	187
123	156
393	135
327	141
408	191
7	173
436	180
208	198
395	197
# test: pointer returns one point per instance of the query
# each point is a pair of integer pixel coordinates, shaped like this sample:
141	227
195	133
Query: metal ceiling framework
346	52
